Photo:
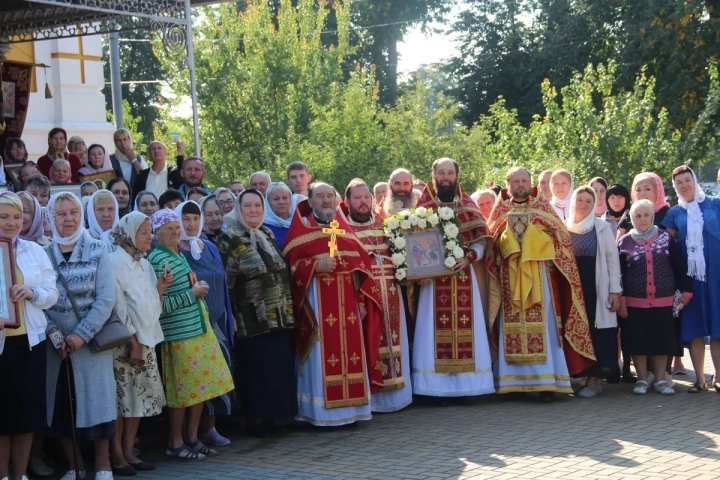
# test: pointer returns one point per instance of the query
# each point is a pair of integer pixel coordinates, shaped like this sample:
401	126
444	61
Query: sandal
698	387
184	452
204	449
641	387
663	388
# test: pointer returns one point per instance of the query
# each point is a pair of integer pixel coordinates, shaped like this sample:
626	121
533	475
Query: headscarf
254	237
88	169
650	232
587	223
209	233
563	203
126	231
79	194
599	209
271	218
195	249
18	199
619	191
695	224
52	205
161	217
660	201
95	229
36	229
143	194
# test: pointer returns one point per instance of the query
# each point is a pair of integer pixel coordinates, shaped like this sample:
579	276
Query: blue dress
210	268
701	317
279	232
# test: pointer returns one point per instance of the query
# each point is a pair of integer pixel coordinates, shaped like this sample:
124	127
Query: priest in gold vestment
394	355
451	355
537	310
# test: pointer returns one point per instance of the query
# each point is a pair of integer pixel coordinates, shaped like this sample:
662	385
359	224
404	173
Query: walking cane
72	415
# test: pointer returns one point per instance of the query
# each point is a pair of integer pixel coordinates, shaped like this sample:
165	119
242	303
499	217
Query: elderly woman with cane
81	390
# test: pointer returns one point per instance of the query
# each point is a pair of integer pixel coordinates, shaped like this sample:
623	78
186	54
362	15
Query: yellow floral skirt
194	370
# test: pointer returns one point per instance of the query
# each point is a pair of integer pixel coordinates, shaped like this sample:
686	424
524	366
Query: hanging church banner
14	99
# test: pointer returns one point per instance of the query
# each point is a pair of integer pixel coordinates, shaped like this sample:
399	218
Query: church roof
24	20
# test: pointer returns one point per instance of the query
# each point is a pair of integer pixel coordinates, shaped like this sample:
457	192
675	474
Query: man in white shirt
126	163
160	177
298	176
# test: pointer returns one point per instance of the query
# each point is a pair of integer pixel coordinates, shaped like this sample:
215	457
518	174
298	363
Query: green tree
138	65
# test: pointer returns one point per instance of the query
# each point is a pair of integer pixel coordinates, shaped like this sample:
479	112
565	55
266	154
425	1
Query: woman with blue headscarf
280	206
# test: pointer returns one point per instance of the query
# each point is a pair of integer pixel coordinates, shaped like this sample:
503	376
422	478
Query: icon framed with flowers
426	251
425	254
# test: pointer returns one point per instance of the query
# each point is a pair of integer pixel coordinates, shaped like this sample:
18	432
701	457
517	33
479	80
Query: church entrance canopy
31	20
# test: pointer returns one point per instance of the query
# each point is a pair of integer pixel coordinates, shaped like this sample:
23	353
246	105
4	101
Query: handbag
113	333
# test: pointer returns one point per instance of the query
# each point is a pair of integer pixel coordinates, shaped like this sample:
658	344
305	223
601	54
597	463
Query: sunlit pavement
614	435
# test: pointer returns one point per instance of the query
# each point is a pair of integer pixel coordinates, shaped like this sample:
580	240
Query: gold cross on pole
333	231
78	56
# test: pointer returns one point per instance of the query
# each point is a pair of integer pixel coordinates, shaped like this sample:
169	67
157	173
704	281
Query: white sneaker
104	475
70	475
39	468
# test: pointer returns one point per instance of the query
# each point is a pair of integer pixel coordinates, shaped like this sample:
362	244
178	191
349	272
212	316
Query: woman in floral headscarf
140	390
695	222
193	367
646	186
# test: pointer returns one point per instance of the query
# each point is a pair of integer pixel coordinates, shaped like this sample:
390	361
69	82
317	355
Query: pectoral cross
333	231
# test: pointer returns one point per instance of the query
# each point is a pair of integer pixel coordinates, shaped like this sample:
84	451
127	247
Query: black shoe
271	427
258	430
124	471
629	378
513	396
547	397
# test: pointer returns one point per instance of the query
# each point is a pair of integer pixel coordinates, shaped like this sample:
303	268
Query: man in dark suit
160	177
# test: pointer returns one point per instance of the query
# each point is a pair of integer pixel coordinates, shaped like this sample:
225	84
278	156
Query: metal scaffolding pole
193	83
115	80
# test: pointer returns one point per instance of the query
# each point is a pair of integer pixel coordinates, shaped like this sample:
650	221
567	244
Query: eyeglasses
214	215
226	203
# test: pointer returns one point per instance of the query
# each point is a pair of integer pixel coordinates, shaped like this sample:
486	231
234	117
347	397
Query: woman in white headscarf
204	259
138	306
102	212
73	369
561	186
260	292
598	263
695	223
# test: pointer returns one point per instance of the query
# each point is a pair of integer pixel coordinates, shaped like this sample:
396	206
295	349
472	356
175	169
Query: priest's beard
520	195
395	202
361	217
446	193
324	217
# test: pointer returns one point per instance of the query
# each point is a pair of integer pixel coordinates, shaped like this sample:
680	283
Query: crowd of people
286	300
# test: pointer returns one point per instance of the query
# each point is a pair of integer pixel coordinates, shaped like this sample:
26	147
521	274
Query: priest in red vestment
394	354
541	331
451	355
337	313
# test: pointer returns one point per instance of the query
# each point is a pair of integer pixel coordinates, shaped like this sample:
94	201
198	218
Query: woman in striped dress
193	367
204	259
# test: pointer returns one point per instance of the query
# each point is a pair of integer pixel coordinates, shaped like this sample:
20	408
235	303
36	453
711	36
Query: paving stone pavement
616	435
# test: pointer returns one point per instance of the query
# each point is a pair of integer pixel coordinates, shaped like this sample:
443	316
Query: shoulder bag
113	333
